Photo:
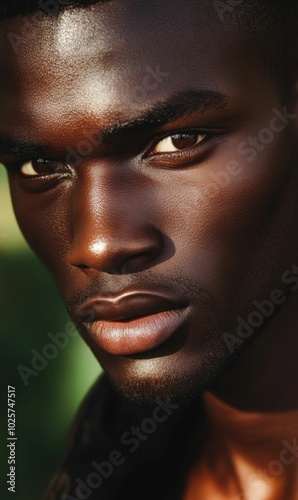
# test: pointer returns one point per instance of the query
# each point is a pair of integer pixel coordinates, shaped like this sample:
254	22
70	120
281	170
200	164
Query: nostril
81	266
136	262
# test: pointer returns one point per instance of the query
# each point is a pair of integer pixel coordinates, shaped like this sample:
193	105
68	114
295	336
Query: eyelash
188	153
38	183
15	168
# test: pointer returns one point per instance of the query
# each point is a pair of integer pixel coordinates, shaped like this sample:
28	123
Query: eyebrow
11	146
176	106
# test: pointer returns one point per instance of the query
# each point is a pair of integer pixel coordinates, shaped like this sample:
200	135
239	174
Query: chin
179	386
179	371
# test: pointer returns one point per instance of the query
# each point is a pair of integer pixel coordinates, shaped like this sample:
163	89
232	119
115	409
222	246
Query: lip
133	323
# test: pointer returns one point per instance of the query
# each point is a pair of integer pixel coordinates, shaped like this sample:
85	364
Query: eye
178	142
35	168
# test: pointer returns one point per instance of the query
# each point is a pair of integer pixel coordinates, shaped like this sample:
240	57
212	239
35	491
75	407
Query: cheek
213	213
223	212
44	222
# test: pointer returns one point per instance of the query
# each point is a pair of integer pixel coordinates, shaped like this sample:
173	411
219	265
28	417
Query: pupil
183	141
45	167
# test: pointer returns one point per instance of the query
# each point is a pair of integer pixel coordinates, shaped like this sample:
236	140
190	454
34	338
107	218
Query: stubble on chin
178	388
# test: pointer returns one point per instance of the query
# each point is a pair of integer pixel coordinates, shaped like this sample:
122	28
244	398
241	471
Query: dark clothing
119	450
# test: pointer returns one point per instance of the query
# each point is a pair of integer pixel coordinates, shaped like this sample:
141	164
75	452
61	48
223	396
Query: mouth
133	323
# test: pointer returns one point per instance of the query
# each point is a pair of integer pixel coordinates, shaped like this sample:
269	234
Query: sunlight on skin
11	240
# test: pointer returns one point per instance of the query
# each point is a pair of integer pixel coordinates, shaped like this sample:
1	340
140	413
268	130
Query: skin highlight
131	215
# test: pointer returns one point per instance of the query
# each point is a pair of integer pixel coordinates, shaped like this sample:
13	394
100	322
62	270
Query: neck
264	377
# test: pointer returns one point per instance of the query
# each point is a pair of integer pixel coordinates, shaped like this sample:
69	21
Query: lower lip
138	335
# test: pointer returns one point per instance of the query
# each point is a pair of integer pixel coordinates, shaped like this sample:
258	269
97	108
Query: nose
112	229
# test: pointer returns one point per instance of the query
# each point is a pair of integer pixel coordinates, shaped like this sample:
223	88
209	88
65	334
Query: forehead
111	60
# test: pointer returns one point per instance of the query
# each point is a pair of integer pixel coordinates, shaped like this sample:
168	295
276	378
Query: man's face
161	207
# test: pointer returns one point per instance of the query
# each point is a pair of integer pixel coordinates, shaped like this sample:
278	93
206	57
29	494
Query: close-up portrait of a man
151	149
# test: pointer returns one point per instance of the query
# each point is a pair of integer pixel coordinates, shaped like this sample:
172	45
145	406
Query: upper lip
128	305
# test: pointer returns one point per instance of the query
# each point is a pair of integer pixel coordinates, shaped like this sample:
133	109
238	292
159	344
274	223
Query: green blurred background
30	308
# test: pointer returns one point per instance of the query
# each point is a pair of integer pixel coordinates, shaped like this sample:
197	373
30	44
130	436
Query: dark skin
136	213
